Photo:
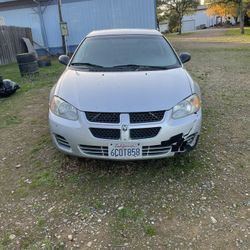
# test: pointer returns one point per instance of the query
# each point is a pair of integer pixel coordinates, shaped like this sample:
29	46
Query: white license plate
125	150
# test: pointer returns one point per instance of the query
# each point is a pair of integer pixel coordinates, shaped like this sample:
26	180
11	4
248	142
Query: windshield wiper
124	66
138	67
86	65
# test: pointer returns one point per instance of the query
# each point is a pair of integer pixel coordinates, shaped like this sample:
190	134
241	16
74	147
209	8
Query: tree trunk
242	30
180	24
236	19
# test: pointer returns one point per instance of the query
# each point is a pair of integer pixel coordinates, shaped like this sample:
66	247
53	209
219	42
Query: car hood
136	91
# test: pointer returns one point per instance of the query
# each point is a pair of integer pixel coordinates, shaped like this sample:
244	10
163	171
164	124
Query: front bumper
175	136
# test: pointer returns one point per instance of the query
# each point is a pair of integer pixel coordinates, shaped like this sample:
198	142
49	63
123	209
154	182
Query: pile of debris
7	87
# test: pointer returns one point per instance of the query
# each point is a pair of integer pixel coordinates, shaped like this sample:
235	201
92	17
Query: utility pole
61	22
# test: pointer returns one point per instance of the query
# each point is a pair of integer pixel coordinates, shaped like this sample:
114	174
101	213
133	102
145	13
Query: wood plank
11	42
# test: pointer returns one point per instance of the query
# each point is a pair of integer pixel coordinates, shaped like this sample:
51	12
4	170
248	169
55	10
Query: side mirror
64	59
185	57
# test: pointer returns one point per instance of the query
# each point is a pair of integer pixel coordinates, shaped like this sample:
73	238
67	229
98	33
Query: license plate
125	150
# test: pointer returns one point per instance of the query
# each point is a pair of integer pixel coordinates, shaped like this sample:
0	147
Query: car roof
117	32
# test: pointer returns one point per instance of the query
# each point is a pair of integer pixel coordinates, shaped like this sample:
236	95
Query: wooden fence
11	42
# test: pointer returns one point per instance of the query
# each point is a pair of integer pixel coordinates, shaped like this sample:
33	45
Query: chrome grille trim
155	150
94	150
62	141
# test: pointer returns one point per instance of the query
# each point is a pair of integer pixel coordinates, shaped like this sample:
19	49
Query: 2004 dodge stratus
125	95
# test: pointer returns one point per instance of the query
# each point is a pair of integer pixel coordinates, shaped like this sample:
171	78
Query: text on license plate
124	150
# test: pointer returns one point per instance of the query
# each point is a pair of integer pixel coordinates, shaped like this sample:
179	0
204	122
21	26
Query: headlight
187	107
63	109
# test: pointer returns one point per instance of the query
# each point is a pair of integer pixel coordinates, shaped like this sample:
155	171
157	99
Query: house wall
82	16
163	27
23	18
188	25
200	17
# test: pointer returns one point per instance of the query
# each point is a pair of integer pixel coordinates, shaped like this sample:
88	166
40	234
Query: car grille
103	117
138	117
62	141
105	133
94	150
155	150
144	117
144	133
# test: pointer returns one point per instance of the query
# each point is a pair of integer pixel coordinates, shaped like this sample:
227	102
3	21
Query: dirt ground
200	200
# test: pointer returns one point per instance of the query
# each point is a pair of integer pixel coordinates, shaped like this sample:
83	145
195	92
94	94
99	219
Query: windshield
125	51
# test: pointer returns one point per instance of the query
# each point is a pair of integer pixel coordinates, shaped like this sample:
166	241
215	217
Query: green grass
11	71
236	32
9	120
150	230
12	106
5	241
231	35
176	34
41	222
47	244
130	214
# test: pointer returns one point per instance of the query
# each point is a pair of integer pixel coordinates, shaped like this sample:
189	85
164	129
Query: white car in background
125	95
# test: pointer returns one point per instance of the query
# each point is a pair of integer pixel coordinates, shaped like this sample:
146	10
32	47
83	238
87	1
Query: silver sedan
125	95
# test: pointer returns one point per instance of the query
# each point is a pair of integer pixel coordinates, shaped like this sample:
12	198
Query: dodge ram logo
124	128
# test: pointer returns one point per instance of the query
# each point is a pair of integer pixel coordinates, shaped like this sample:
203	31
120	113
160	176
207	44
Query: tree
177	8
223	10
173	22
242	7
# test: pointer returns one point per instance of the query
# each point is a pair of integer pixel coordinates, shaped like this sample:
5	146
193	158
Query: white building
163	26
198	20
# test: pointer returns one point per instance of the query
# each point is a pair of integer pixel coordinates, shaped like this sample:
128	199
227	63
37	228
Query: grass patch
40	181
11	71
97	204
128	222
130	214
5	241
40	145
41	222
44	179
11	107
236	32
9	120
176	34
231	35
25	242
150	230
44	244
22	191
